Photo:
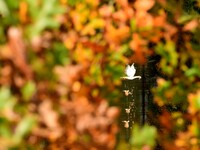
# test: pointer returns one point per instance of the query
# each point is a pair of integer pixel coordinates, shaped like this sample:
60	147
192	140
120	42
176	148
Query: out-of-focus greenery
61	63
146	136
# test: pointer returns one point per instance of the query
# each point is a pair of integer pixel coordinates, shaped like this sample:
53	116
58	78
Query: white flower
130	72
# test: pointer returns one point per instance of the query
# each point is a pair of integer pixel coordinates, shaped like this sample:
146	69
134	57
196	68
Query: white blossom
130	72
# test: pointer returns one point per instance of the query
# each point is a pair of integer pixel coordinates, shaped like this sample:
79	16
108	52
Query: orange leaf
70	39
129	12
165	120
123	3
138	46
159	21
120	16
18	49
144	19
94	46
105	11
136	42
68	74
23	9
116	35
144	5
191	25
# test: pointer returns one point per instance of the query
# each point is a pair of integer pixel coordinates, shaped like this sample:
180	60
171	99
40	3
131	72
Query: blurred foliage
143	137
61	63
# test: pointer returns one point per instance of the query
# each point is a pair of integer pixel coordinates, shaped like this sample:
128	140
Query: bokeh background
61	63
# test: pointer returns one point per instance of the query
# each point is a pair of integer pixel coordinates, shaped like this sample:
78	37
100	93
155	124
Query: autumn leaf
123	3
191	25
194	103
105	11
68	74
23	12
116	35
144	5
70	39
18	49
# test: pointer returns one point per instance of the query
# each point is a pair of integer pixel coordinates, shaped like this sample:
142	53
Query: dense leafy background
61	63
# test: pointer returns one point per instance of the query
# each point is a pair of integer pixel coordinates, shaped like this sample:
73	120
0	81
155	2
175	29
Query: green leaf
23	128
4	11
44	18
5	130
73	2
59	54
141	136
28	90
12	4
4	96
133	24
169	55
123	146
6	99
197	102
194	71
185	18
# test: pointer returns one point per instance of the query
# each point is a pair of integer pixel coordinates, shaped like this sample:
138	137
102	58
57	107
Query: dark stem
143	94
